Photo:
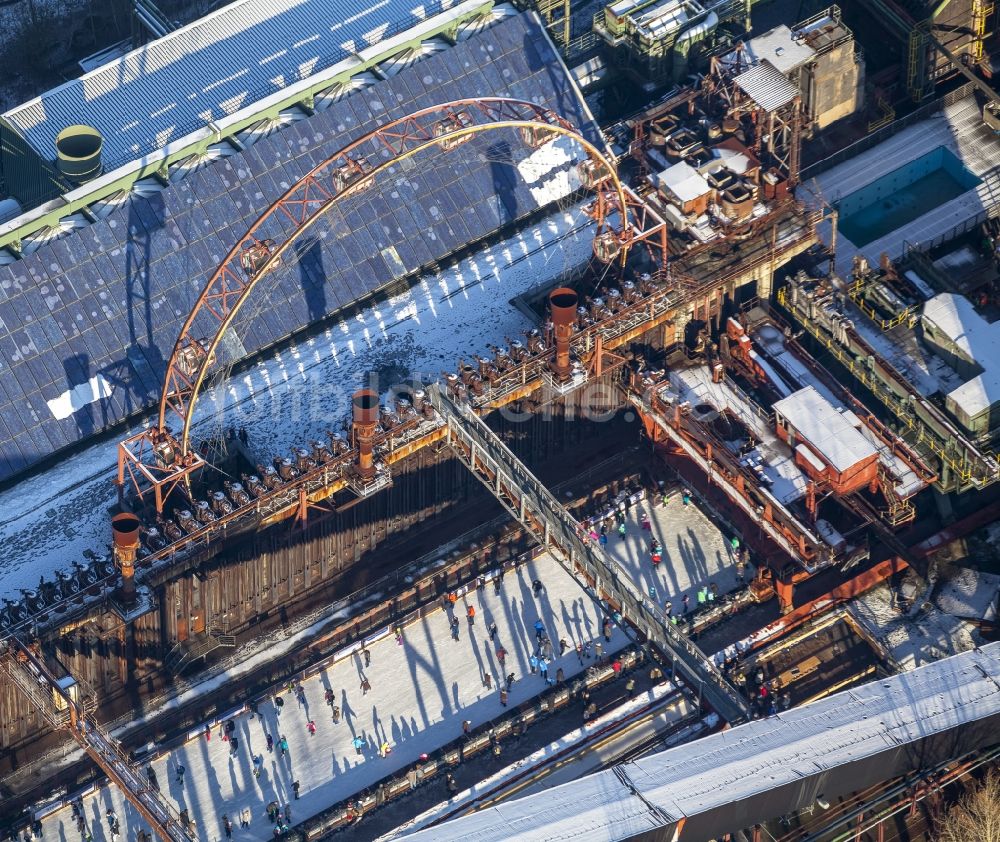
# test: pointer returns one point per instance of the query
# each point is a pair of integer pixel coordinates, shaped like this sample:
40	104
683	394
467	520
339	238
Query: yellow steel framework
907	316
968	473
982	12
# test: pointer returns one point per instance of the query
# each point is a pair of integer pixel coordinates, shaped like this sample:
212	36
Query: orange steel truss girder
352	168
723	468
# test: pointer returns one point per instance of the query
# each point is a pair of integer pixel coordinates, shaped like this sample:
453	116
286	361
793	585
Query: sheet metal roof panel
955	317
779	47
684	181
825	429
978	394
210	68
766	86
154	254
743	764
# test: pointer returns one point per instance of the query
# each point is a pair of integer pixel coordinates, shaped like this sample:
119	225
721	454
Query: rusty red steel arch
349	171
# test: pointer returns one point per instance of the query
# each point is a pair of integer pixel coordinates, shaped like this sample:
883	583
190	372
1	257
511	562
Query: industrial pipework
366	411
563	302
125	532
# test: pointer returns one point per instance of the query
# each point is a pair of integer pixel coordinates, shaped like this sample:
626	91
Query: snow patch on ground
291	397
969	593
912	642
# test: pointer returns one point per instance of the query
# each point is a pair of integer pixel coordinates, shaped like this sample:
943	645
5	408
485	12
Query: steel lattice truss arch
158	459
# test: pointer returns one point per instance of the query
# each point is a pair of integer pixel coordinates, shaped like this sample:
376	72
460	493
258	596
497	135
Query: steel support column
560	534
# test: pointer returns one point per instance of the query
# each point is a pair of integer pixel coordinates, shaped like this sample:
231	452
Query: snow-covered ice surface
694	552
291	397
420	693
911	642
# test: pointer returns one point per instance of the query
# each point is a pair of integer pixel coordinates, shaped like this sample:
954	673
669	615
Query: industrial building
138	240
658	41
933	38
819	57
681	399
871	329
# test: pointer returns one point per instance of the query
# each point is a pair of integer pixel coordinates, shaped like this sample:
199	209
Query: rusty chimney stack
125	534
563	302
366	409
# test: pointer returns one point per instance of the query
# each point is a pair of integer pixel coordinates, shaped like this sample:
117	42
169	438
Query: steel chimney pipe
366	412
125	537
562	302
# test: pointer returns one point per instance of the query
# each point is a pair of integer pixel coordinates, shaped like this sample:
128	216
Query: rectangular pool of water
904	194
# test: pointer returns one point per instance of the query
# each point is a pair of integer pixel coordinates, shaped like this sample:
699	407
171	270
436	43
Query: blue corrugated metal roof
88	321
211	68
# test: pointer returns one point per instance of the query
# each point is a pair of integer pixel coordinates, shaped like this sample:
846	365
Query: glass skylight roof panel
291	317
67	323
205	183
447	237
60	435
45	333
454	221
142	379
16	279
26	447
149	211
10	315
407	256
35	366
8	275
11	419
78	249
59	256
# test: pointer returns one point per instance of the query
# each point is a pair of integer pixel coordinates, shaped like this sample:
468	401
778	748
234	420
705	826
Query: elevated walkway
524	496
60	702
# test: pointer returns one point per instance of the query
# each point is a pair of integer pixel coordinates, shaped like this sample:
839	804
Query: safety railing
524	496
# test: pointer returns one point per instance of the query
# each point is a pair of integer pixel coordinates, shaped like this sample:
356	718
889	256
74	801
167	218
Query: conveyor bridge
61	703
524	496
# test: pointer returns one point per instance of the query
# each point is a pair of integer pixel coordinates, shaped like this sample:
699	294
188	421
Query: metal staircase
521	493
191	650
59	700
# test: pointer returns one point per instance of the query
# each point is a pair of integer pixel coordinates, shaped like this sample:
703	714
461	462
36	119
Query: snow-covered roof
978	394
729	770
976	339
684	181
824	427
662	19
211	68
767	86
806	453
734	160
955	317
780	48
